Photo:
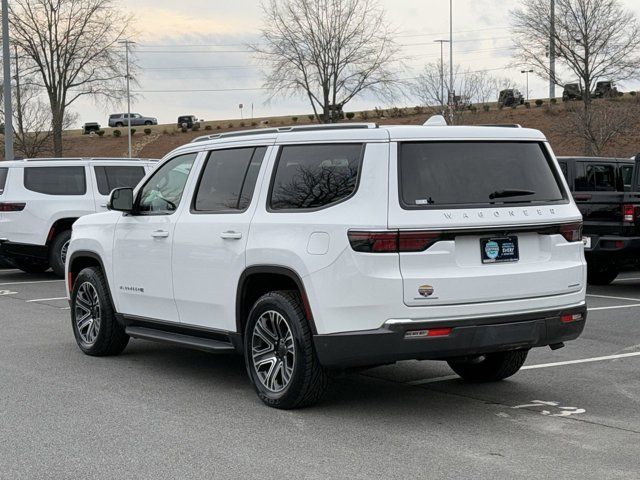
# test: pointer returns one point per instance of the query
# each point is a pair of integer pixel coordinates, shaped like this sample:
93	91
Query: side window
112	177
162	193
602	177
626	174
56	180
3	179
315	176
228	180
581	182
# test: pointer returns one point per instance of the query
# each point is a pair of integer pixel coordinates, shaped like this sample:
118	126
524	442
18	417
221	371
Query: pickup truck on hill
607	193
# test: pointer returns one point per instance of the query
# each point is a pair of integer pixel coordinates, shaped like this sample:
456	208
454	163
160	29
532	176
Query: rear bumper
621	251
468	337
22	251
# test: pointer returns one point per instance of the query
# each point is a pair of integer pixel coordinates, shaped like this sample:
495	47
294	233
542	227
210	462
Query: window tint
112	177
312	176
163	191
3	179
597	178
452	173
626	174
56	180
228	179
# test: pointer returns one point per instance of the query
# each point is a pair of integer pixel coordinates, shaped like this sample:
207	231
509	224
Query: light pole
126	46
527	72
441	42
452	91
8	111
552	51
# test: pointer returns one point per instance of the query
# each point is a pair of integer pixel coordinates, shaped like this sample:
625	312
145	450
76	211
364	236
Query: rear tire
490	367
58	252
601	274
93	320
148	123
279	354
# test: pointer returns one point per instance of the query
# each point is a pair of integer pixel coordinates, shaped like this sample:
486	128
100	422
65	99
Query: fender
277	270
94	256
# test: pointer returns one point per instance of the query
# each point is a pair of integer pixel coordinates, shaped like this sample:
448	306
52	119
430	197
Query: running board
199	343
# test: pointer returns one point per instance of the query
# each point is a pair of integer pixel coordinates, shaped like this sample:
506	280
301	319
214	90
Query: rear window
475	173
315	176
3	179
120	176
56	180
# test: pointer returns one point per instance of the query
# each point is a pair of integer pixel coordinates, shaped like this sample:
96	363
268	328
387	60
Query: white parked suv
41	198
315	249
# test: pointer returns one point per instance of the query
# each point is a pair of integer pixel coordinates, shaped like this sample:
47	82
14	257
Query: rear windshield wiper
510	193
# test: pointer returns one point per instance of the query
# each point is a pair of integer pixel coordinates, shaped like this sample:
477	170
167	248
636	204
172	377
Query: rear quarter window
3	179
56	180
433	174
117	176
315	176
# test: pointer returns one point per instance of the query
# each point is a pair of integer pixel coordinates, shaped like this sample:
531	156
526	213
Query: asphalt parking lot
159	411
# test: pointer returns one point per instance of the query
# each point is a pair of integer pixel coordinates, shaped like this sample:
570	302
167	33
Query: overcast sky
190	45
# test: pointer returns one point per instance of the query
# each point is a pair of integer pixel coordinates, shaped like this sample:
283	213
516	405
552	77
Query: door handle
160	234
231	235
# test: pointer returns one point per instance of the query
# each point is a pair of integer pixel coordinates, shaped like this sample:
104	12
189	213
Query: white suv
41	198
314	249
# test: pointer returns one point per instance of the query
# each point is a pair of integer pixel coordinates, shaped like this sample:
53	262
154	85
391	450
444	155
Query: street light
441	42
527	72
8	111
126	44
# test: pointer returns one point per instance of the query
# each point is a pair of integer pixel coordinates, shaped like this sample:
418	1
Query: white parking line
615	307
27	283
628	279
613	297
46	299
531	367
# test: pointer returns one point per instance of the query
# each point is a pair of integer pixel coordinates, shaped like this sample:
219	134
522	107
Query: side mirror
121	200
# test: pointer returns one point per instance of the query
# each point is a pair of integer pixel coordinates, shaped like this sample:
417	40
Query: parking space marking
6	292
45	299
629	279
613	297
36	281
613	307
532	367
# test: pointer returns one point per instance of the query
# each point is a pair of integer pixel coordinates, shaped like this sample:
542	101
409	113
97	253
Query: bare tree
71	50
595	39
327	50
602	123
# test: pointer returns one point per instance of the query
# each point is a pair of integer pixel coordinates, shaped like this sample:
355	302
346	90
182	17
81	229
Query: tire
58	252
490	367
31	267
119	125
277	323
103	335
601	274
148	123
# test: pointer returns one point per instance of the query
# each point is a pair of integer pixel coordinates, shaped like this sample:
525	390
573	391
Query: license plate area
499	249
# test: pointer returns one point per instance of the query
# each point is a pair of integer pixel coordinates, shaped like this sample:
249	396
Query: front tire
93	320
279	354
58	252
490	367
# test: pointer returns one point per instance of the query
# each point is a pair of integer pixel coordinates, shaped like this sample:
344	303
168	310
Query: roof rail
78	159
503	125
301	128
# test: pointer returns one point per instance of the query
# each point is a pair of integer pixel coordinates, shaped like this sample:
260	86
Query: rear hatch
483	221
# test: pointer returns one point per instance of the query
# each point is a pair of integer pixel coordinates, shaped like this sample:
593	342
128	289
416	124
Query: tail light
11	207
572	232
392	242
630	212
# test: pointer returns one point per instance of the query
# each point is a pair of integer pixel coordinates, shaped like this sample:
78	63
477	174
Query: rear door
479	221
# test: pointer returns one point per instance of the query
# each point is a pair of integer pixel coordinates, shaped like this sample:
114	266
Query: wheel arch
60	225
257	280
82	259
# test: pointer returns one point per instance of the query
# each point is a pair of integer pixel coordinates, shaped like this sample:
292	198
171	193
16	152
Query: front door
211	237
142	244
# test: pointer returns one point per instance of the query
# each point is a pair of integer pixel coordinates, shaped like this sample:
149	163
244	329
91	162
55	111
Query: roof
598	159
364	132
69	160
